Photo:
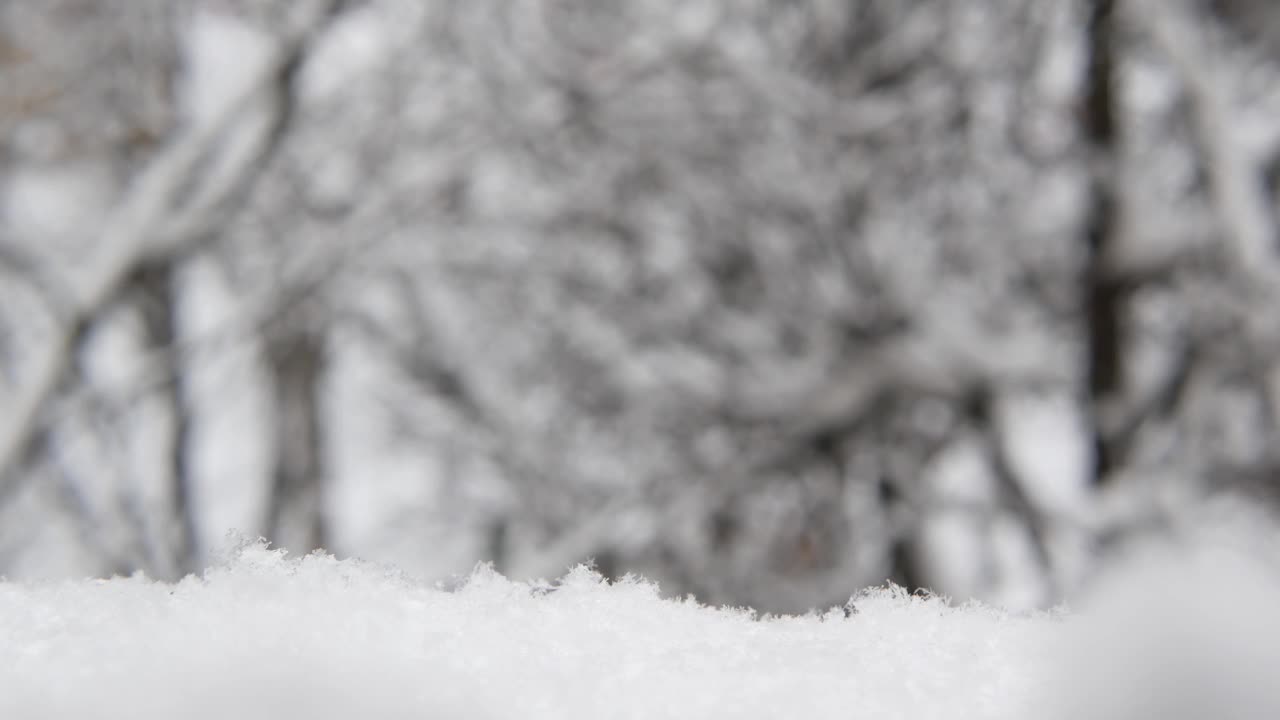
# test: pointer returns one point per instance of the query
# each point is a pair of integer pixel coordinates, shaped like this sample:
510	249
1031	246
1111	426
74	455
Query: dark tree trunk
905	566
1103	294
158	293
295	512
496	543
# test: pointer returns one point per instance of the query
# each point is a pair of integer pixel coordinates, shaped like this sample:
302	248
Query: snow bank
266	636
1176	633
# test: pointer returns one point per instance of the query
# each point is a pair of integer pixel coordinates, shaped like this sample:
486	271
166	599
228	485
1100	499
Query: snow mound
267	636
1178	634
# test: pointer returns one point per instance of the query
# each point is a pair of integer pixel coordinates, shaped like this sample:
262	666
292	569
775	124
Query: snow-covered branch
154	221
1236	176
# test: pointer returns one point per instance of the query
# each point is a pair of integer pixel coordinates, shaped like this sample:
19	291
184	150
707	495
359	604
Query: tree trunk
1103	294
158	293
295	513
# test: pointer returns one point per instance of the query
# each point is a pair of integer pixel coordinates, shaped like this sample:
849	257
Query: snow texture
266	636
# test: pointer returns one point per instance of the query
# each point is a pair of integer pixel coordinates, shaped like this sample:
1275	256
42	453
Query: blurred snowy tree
108	193
768	300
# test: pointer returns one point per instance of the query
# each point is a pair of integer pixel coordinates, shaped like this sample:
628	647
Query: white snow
264	636
223	56
1180	630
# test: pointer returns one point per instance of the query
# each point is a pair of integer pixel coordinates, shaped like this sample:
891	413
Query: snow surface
265	636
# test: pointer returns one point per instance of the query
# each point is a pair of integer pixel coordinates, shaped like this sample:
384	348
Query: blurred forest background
768	300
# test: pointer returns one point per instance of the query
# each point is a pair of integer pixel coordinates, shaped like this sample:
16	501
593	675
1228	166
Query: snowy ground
1186	634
